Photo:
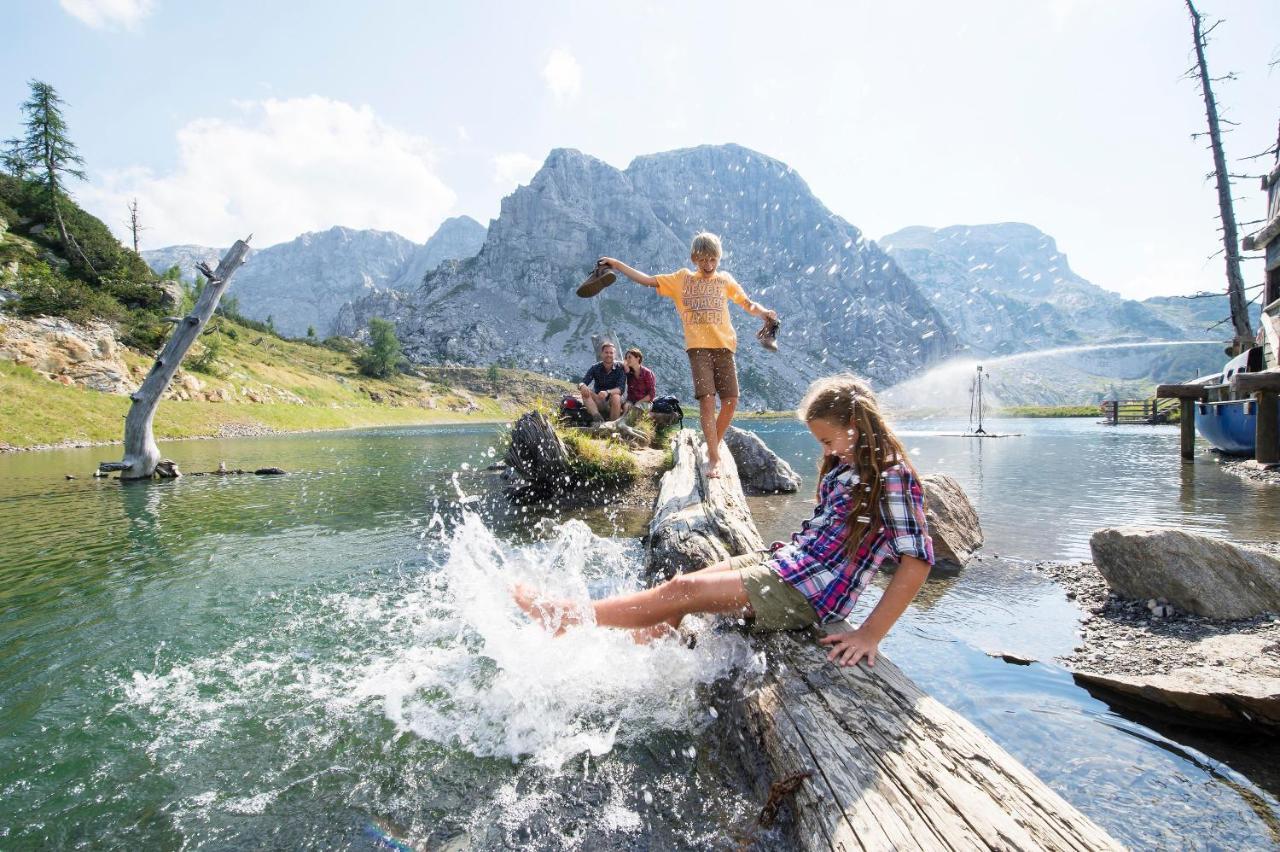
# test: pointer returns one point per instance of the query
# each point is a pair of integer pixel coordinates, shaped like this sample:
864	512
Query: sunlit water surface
329	659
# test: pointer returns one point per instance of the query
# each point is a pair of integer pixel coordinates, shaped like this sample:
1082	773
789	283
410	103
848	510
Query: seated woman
642	384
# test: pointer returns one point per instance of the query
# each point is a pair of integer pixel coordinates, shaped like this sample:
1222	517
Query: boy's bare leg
710	432
615	405
727	407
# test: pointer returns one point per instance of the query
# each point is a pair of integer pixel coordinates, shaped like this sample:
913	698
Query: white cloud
563	75
108	14
514	168
281	168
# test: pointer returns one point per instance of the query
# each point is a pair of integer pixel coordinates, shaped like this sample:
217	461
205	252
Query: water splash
516	691
945	387
445	656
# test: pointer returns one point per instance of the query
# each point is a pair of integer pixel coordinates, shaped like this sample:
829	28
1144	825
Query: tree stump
538	457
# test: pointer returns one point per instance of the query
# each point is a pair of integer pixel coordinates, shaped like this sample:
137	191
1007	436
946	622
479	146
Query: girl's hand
848	648
607	261
773	315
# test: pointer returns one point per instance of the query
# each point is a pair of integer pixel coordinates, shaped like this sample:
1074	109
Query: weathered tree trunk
1230	241
699	521
538	456
884	766
141	455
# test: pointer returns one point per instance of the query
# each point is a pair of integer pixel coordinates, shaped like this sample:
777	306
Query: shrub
382	358
207	359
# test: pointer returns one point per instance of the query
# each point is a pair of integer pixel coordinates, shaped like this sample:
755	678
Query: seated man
642	385
608	379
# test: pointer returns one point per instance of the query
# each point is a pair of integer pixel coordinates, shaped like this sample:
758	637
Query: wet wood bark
538	456
891	768
141	455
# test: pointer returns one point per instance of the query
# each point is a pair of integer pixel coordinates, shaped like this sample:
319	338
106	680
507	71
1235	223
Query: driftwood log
699	521
141	455
890	768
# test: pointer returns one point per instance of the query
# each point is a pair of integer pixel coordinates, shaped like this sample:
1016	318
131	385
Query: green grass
593	461
36	411
1049	411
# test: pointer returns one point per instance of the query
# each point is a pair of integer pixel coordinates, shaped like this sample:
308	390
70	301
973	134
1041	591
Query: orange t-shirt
703	303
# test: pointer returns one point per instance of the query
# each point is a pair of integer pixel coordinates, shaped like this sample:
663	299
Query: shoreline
244	430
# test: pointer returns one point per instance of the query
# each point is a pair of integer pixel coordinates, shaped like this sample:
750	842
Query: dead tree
1231	243
135	226
141	455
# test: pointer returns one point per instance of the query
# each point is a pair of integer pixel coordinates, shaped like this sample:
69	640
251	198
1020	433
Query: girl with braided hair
870	507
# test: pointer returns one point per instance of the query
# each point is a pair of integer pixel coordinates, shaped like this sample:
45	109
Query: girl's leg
684	594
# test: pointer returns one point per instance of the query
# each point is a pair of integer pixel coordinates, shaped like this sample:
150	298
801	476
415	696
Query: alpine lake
329	659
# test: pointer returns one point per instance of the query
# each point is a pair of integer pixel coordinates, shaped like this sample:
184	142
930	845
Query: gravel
1124	636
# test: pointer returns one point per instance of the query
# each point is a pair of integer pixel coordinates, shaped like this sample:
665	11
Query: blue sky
279	117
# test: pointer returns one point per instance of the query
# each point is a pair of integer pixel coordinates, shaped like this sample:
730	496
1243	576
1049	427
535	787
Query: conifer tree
47	150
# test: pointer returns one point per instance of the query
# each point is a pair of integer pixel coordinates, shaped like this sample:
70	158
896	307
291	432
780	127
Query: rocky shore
1249	469
1219	673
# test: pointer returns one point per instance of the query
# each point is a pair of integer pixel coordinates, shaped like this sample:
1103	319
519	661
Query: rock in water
953	522
759	467
1195	573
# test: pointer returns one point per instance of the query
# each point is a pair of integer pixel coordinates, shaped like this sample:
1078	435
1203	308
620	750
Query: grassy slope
35	411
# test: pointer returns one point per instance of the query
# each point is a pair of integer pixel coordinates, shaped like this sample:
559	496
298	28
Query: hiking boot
768	334
600	277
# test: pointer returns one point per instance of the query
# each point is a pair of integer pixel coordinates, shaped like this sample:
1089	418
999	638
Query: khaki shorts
713	373
777	604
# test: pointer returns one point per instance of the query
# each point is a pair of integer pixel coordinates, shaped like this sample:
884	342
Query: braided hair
845	400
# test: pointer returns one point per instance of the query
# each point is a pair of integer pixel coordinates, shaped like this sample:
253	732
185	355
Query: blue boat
1230	424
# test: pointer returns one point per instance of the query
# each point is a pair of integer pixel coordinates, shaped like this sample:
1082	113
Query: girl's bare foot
554	615
713	468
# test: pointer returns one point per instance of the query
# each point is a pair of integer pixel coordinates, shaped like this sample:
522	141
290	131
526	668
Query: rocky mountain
1007	288
456	238
844	303
184	257
303	282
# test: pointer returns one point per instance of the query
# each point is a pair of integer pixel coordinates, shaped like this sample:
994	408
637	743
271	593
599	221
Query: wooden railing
1117	412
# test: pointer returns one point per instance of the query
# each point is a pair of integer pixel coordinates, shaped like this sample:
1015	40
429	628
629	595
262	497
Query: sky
276	118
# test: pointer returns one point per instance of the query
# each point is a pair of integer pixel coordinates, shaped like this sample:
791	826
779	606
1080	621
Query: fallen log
698	521
890	767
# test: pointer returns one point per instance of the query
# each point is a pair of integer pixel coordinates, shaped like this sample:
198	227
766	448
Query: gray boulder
1195	573
759	467
953	522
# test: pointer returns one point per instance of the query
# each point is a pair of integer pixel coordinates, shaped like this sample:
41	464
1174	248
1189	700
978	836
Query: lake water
328	659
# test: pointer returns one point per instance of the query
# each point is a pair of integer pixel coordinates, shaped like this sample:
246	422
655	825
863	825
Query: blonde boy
702	297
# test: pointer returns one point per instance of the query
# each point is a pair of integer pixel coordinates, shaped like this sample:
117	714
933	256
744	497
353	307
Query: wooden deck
888	766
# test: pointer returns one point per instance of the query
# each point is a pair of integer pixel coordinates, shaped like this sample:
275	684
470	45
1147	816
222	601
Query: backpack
573	412
668	405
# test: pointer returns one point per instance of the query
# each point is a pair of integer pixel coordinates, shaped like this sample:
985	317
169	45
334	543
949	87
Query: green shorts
777	604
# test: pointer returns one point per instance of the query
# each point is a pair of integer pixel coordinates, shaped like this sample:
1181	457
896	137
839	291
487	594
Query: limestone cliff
844	303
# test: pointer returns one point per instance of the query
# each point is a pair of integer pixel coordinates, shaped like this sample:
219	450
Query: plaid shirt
815	561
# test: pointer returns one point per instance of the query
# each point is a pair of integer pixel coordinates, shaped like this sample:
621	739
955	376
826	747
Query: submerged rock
1195	573
953	522
760	468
